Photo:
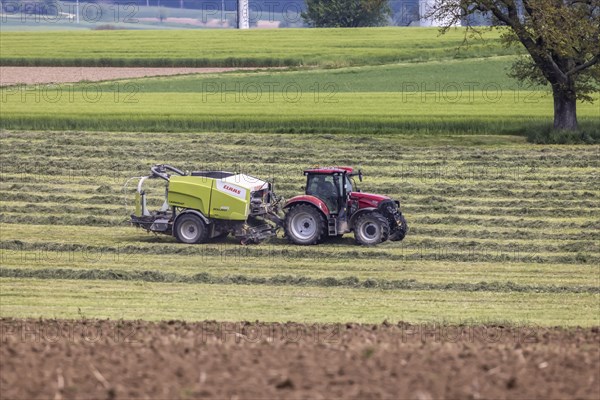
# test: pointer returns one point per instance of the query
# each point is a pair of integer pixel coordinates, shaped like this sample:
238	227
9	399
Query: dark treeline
404	12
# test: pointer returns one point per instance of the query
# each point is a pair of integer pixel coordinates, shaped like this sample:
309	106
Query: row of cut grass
220	260
289	280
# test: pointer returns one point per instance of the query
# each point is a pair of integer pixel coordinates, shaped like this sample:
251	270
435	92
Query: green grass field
452	97
387	80
233	48
501	231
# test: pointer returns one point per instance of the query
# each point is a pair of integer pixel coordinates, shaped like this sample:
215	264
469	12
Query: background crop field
500	231
435	97
233	48
386	80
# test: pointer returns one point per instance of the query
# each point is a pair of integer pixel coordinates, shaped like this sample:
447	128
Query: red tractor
333	206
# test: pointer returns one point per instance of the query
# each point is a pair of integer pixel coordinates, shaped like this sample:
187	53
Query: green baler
209	204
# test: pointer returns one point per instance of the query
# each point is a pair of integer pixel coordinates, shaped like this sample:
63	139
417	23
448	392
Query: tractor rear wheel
190	229
305	225
371	228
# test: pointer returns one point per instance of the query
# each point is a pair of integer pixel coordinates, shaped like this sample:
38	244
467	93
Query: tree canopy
346	13
561	38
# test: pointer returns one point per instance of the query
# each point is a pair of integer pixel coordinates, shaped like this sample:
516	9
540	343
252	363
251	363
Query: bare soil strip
45	75
105	359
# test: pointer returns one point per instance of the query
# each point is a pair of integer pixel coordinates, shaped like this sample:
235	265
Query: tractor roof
329	170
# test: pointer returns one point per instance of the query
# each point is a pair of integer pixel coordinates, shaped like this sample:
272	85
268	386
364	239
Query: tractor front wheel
190	229
305	225
371	228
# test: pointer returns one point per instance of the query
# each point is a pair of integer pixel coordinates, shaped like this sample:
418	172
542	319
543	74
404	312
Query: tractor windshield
324	187
349	187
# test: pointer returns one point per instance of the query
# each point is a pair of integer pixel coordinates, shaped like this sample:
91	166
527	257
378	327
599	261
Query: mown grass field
501	231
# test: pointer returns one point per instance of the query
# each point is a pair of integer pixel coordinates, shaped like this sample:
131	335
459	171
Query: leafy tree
346	13
561	38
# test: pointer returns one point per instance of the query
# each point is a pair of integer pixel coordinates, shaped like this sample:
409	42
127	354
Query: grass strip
287	280
158	301
432	252
234	48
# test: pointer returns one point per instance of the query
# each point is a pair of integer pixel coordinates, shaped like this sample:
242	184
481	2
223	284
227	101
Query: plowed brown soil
169	360
44	75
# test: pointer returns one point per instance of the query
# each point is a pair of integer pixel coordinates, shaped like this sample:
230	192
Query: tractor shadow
345	241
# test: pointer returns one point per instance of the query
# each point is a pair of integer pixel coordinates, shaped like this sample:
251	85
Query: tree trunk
565	108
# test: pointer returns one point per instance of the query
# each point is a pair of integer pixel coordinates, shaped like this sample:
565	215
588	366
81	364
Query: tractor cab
332	185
